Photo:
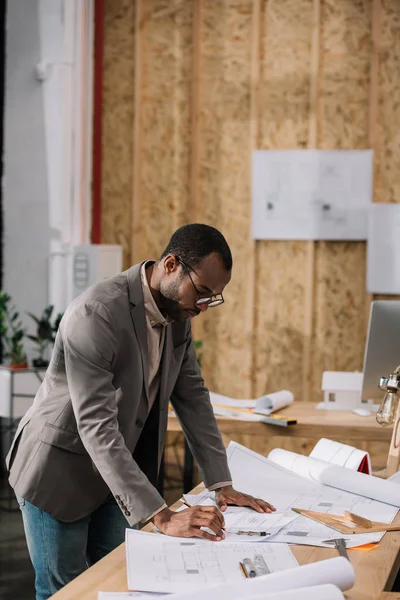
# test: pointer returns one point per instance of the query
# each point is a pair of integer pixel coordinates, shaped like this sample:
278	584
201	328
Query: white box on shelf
23	384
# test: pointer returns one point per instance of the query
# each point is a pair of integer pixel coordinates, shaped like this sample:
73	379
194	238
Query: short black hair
195	241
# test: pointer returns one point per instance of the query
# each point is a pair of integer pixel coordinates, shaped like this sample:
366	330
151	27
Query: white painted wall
47	133
25	183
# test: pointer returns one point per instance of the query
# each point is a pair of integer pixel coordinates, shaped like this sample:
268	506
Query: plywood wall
190	88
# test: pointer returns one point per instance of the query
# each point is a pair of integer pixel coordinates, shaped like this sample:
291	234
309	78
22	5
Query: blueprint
260	477
158	563
125	595
239	519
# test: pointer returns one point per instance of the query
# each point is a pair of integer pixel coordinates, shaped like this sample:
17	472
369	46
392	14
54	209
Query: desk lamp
388	414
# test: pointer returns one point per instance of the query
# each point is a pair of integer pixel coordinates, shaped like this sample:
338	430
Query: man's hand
187	523
229	496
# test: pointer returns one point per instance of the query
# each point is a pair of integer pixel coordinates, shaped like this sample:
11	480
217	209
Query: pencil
191	506
243	570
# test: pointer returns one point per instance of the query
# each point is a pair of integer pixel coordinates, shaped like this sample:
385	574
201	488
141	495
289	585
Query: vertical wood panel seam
197	37
193	211
310	245
135	243
373	104
254	135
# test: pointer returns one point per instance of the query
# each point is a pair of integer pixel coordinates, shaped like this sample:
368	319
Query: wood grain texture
373	570
225	183
387	135
344	88
281	266
203	100
163	164
117	124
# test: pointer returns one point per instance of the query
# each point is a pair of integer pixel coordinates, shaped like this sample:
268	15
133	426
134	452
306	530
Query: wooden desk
375	570
312	424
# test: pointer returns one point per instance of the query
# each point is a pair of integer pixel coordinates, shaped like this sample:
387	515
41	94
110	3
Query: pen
260	533
248	568
191	506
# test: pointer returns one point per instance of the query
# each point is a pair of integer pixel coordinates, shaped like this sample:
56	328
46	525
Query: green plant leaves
45	329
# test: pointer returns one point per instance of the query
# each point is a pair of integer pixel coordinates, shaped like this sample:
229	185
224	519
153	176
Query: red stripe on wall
97	118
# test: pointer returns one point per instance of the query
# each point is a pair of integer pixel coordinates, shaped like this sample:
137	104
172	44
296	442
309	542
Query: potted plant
45	334
12	334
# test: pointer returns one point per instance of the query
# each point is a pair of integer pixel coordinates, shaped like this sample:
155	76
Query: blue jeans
61	551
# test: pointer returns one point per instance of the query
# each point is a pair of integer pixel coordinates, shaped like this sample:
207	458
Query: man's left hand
229	496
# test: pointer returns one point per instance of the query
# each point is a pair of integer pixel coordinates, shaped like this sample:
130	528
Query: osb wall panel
189	169
343	119
163	143
224	182
283	123
117	124
387	145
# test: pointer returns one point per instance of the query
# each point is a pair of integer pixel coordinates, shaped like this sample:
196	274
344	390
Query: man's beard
170	305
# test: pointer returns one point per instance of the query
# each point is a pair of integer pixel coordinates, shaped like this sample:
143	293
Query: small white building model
342	390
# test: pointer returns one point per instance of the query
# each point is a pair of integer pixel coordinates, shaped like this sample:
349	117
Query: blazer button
139	423
127	513
118	498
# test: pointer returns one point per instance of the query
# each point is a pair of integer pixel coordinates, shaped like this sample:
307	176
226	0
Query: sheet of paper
383	249
318	592
157	563
242	414
239	518
267	403
126	595
338	477
311	194
231	402
335	571
256	475
395	478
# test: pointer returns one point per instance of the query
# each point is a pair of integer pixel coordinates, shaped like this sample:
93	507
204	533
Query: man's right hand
188	523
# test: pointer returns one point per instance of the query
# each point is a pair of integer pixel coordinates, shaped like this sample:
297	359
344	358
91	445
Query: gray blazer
75	443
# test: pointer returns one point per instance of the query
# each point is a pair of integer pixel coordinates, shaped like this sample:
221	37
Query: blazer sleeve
191	402
89	343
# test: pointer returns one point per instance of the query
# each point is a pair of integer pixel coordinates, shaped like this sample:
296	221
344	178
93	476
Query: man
85	458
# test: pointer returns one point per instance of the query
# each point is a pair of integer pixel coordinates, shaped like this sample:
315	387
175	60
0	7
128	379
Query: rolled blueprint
336	571
266	404
317	592
338	477
272	402
342	455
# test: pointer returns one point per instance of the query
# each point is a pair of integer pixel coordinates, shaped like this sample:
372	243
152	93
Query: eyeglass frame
219	299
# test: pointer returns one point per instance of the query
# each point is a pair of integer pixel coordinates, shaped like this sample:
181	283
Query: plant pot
40	363
17	366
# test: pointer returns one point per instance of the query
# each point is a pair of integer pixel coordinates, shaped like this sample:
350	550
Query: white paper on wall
383	249
311	194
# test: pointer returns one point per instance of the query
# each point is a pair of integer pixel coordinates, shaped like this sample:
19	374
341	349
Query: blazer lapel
139	319
165	364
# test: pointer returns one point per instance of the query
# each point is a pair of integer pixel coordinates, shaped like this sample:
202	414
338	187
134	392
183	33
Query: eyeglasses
211	301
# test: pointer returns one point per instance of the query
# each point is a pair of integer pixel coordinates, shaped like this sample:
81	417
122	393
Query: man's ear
170	264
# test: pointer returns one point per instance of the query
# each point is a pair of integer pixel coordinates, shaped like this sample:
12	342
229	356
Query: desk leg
188	470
